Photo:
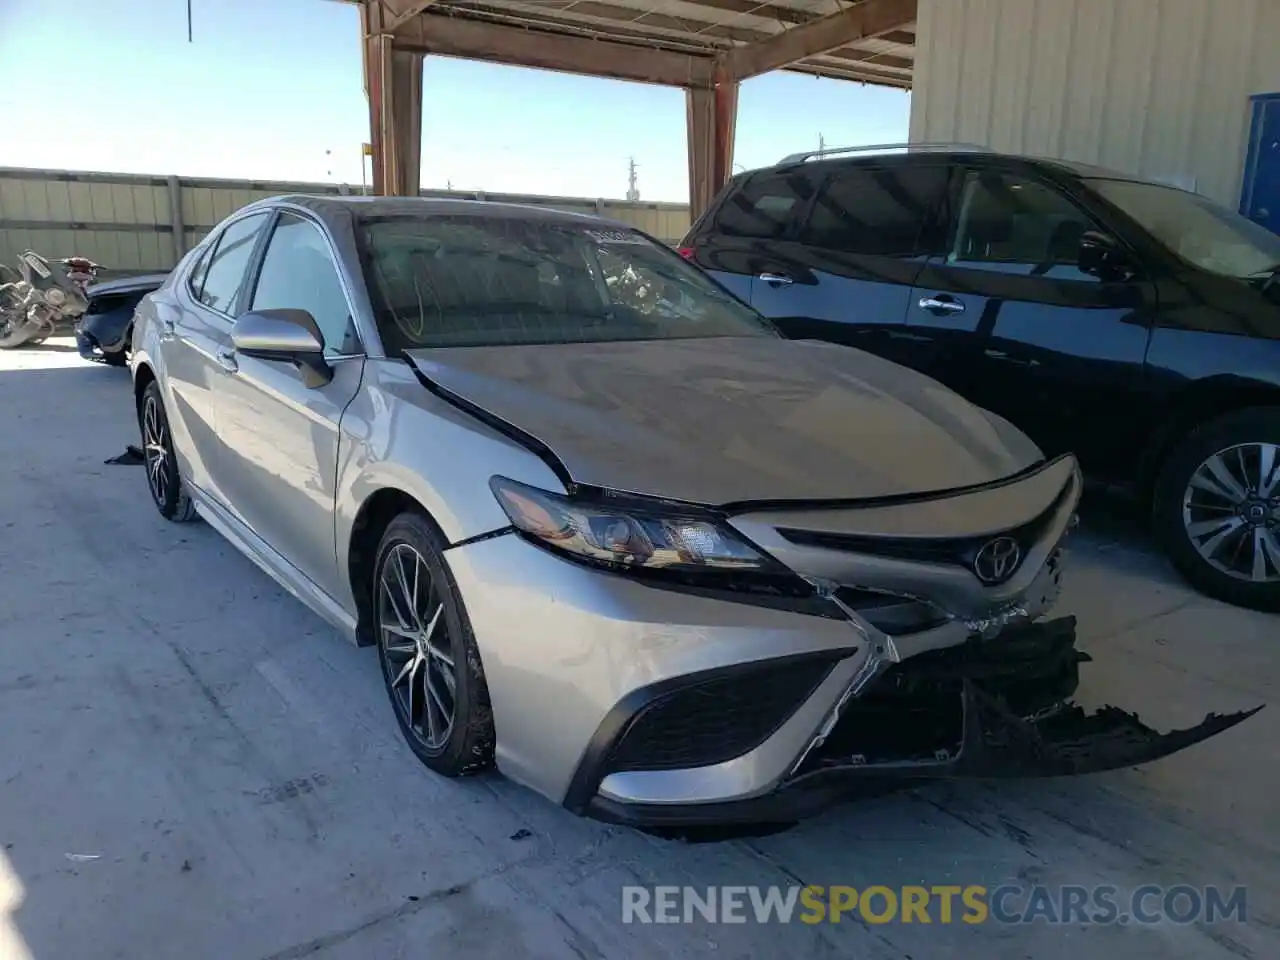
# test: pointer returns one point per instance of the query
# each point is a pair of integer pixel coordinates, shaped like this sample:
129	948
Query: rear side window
765	206
874	210
110	302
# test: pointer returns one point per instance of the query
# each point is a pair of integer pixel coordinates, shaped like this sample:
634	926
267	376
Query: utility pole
822	147
633	193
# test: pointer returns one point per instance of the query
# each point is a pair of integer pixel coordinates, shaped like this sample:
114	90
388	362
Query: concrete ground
193	765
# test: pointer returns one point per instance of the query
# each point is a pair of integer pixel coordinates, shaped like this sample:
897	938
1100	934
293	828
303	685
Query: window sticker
617	236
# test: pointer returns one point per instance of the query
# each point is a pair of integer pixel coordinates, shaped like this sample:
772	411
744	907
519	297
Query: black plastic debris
132	457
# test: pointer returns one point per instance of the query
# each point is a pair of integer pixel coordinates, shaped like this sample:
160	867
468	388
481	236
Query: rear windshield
454	281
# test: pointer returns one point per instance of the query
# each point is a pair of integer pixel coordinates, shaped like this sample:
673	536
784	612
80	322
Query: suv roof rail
920	145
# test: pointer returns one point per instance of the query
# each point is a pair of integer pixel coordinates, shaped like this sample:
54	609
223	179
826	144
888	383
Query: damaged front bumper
986	710
683	704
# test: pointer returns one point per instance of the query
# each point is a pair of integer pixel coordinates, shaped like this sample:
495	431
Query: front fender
396	435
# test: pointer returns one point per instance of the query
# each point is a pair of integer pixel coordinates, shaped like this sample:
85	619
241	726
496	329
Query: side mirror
1100	256
291	336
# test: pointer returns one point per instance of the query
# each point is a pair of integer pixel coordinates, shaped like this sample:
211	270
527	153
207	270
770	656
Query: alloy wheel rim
155	450
418	652
1231	511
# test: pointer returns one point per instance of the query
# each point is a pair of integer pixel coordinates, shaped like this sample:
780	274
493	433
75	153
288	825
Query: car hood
723	420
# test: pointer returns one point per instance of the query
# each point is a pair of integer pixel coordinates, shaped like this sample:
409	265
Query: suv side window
298	273
1009	223
224	275
764	206
874	210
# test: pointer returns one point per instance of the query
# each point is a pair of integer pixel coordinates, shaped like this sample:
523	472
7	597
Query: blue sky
269	86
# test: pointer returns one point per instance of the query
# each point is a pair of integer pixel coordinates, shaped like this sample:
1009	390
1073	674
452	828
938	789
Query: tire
1241	527
466	746
168	492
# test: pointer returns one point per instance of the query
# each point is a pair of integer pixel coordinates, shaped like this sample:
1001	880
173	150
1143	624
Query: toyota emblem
997	560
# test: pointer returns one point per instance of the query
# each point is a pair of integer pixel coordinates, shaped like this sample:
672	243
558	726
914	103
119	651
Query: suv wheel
167	491
1217	508
429	657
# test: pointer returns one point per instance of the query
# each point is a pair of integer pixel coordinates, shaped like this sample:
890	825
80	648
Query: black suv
1135	324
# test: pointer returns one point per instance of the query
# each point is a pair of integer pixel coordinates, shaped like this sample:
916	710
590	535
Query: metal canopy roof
706	27
668	41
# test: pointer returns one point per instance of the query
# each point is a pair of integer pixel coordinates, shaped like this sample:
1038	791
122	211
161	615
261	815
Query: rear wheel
429	658
1217	508
167	490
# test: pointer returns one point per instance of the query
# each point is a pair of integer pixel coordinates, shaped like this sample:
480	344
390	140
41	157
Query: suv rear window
764	206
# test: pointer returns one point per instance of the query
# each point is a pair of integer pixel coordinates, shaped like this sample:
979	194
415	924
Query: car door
847	276
745	235
1014	323
280	437
195	327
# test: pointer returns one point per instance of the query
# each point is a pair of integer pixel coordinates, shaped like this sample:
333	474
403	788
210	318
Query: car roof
934	155
334	207
146	282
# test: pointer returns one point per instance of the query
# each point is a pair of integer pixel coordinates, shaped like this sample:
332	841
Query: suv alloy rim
1231	511
416	644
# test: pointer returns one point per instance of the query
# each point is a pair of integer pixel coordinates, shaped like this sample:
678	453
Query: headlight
642	538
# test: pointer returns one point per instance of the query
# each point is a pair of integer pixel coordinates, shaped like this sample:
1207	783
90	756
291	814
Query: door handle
227	361
777	279
1002	355
938	306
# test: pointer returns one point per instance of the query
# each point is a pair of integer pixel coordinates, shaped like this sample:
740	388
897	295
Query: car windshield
1195	228
453	281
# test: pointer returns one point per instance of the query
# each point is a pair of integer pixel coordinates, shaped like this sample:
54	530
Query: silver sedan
604	526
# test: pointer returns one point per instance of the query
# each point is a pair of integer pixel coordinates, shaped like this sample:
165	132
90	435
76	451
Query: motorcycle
46	299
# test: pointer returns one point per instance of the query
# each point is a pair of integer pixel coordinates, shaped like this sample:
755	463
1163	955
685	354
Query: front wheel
429	658
1217	508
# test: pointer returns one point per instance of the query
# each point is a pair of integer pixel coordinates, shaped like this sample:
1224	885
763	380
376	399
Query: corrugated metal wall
127	223
1154	87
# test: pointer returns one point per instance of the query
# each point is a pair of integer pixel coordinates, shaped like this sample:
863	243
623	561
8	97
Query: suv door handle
227	361
777	279
939	306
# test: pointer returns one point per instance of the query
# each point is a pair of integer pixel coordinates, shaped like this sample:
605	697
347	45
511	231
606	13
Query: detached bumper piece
985	710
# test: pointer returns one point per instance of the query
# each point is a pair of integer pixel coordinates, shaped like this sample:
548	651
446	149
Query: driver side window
221	275
1014	225
298	273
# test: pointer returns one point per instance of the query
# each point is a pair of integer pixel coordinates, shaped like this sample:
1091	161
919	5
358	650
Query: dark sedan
104	331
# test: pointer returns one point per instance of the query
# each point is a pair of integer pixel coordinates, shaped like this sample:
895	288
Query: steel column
393	85
712	115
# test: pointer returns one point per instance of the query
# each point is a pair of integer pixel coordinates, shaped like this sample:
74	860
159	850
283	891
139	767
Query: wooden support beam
501	43
870	18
